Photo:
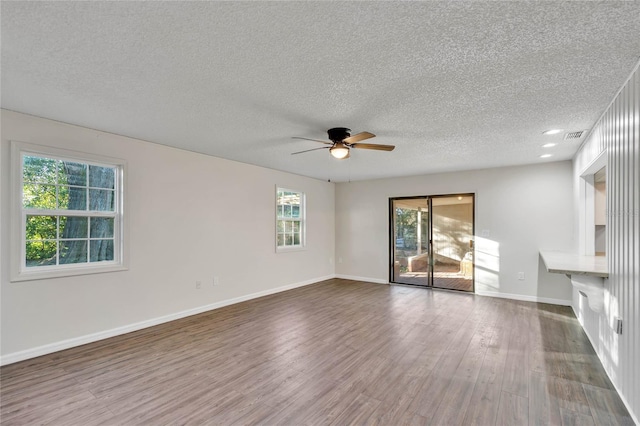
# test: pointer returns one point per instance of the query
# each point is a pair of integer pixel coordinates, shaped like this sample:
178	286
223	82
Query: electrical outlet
216	281
198	284
339	260
521	276
485	233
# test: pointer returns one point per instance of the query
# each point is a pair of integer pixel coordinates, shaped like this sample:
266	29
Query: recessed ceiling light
545	156
552	132
549	145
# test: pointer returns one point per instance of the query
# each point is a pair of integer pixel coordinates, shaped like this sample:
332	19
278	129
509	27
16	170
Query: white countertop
575	264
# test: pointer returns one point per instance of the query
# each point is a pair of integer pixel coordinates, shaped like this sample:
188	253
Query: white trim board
522	297
101	335
525	298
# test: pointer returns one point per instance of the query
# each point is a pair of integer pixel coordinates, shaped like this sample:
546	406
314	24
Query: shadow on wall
452	243
452	226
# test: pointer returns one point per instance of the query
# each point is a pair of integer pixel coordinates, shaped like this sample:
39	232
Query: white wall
191	217
525	209
617	134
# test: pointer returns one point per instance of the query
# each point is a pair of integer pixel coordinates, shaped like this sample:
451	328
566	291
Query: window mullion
57	183
58	212
57	240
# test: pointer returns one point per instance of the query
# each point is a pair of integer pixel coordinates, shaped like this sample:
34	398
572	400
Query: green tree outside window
69	211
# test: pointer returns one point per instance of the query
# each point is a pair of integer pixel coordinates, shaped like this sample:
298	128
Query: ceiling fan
342	142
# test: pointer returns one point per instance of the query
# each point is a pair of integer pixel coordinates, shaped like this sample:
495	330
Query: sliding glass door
432	241
453	242
411	241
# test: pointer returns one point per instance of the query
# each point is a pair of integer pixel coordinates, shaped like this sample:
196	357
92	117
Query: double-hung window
68	212
290	216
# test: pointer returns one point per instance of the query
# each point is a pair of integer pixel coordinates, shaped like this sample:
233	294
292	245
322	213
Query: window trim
302	220
19	271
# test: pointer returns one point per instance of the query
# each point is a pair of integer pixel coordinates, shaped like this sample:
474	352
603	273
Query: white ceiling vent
574	135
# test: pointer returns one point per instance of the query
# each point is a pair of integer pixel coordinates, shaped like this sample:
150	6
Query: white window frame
302	220
19	270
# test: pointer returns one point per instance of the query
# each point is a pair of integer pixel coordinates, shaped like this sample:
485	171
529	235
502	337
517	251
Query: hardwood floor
337	352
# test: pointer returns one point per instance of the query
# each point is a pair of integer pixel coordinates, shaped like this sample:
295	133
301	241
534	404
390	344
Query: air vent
574	135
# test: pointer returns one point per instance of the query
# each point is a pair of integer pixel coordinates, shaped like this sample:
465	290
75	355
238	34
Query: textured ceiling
454	85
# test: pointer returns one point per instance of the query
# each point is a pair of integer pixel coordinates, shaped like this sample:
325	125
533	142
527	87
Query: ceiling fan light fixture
339	151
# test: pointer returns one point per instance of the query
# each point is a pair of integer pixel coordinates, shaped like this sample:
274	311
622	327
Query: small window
290	224
68	211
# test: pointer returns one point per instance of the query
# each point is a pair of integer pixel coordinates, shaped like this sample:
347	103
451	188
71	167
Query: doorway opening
592	217
432	241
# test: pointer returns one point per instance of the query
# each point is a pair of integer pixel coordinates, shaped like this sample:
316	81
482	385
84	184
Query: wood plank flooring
334	353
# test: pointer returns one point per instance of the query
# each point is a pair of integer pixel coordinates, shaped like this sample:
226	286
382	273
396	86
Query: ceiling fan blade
307	150
359	137
373	146
314	140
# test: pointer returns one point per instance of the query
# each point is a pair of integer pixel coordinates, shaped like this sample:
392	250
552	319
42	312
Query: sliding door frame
392	240
429	199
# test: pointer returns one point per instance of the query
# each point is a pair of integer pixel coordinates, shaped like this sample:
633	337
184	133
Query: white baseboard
524	298
94	337
365	279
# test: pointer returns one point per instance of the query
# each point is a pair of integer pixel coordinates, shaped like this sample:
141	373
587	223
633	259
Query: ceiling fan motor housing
338	134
